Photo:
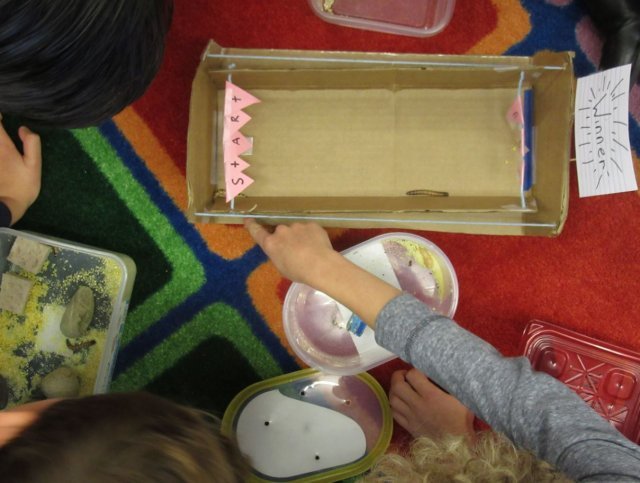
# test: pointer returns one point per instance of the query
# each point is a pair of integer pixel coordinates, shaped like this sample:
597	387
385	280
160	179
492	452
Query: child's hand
19	174
303	253
297	251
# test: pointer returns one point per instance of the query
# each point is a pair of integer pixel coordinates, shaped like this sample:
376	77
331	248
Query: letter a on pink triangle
236	99
236	145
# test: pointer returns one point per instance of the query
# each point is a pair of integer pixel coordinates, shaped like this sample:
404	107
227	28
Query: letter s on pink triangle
236	182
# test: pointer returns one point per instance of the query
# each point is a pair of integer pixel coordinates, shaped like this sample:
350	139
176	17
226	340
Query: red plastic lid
605	376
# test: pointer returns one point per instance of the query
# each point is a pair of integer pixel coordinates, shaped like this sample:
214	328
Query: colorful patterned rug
205	314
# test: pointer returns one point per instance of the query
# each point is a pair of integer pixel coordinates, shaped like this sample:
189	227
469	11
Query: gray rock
62	382
78	314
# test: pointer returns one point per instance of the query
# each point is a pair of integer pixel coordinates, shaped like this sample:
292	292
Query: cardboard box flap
217	57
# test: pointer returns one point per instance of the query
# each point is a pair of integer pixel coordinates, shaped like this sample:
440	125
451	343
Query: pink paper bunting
236	145
234	122
236	163
236	99
234	142
236	183
515	114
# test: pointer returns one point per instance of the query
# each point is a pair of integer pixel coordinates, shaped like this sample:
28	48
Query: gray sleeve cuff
399	323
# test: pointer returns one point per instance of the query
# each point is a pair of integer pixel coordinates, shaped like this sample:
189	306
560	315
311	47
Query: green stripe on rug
187	273
219	320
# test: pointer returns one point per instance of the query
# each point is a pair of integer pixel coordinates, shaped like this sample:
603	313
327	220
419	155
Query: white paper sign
603	153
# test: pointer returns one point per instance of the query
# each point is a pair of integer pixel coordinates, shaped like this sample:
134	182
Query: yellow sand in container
32	345
425	258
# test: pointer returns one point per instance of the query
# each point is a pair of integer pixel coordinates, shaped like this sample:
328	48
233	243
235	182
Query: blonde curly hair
491	458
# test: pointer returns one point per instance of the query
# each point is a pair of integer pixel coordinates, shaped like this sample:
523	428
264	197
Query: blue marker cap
356	325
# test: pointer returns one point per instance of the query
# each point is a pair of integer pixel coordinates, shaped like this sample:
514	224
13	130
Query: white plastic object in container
418	18
315	323
309	426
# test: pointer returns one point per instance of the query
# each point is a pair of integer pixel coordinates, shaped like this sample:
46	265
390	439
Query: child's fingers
31	147
401	420
421	383
398	377
400	411
258	232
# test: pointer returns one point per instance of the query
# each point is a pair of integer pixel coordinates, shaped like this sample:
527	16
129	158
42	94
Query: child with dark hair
69	64
76	63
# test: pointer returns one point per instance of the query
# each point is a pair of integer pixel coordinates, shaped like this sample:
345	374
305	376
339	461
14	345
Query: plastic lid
605	376
418	18
316	325
309	426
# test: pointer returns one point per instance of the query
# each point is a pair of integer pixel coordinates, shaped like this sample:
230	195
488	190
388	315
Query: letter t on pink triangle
236	99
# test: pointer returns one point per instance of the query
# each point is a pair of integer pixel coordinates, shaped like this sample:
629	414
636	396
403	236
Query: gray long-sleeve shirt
533	409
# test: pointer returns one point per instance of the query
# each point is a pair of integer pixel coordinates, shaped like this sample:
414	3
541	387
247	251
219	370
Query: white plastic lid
309	426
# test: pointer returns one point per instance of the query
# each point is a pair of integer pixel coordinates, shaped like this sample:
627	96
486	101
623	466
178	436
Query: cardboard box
387	140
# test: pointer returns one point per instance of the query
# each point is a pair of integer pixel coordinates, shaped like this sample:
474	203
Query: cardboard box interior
385	140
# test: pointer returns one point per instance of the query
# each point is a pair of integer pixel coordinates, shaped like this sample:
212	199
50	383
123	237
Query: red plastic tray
605	376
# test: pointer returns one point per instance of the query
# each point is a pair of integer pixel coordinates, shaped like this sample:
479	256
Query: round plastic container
315	323
417	18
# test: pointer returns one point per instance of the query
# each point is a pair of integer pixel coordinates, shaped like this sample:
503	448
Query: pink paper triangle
515	114
235	163
236	183
236	99
234	122
236	145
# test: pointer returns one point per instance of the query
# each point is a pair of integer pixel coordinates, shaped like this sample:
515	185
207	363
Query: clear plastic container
605	376
309	426
315	323
32	344
418	18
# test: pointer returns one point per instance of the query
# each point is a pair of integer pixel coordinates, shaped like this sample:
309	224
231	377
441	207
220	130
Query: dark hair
125	437
75	63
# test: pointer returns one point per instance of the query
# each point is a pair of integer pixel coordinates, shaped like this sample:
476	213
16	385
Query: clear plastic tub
32	345
418	18
314	323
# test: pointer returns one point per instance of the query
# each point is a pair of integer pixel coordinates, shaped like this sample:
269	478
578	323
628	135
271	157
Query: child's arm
19	174
303	253
533	409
